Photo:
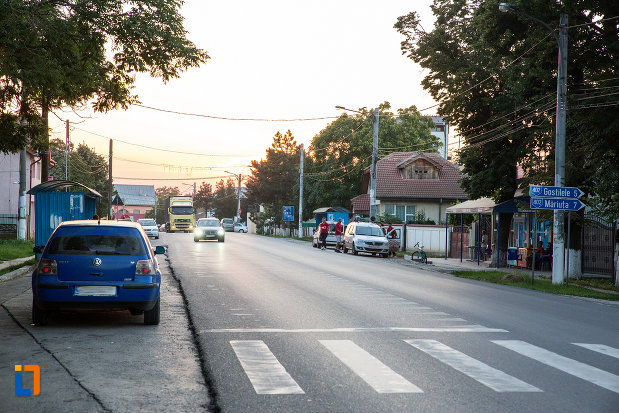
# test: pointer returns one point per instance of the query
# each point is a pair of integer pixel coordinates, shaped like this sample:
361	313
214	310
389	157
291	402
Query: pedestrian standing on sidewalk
324	232
392	236
338	235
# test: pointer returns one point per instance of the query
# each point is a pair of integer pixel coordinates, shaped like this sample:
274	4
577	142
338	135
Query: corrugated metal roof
136	194
59	185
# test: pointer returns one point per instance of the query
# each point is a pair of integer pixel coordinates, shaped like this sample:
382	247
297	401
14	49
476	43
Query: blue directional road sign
563	204
555	191
288	212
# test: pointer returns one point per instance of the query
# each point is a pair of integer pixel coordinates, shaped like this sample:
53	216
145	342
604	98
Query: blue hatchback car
100	265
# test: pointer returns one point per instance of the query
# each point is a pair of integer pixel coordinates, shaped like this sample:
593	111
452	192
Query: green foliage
388	218
224	201
57	53
340	153
204	197
163	193
85	167
274	182
420	218
495	76
16	248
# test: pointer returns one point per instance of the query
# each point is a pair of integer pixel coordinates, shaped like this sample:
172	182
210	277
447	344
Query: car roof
208	219
102	223
367	224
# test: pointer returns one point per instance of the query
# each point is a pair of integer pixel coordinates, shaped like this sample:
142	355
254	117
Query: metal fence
598	246
8	226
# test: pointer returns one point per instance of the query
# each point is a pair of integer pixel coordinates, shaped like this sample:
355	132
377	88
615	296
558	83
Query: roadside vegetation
12	249
586	287
17	266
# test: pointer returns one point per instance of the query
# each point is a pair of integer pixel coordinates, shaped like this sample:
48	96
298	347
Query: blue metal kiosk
52	206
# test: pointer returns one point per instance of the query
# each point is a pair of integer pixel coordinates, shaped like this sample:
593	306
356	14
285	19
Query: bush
16	248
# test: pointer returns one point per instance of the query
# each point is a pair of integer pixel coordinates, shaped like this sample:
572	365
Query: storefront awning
473	206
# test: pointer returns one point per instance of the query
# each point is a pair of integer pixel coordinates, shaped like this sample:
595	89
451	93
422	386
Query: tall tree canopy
339	154
85	166
68	52
225	199
494	75
273	180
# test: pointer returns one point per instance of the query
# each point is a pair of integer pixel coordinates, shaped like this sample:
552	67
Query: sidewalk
15	273
454	264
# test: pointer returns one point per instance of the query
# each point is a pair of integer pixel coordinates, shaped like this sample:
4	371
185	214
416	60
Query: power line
180	166
595	22
234	119
174	179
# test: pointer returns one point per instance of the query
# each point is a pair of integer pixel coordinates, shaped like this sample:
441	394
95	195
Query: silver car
150	227
365	237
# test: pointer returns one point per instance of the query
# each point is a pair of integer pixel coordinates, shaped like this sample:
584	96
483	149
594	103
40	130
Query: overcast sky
269	59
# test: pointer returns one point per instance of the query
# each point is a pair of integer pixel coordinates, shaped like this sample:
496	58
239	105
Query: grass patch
15	248
576	287
17	266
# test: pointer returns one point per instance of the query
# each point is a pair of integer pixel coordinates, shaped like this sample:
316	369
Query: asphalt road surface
284	327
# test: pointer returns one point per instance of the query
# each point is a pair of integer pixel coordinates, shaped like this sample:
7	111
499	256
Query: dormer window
419	169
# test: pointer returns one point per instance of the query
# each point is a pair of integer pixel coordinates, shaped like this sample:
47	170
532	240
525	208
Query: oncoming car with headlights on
209	228
104	265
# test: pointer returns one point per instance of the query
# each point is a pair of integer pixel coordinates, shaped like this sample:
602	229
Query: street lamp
374	156
238	207
558	253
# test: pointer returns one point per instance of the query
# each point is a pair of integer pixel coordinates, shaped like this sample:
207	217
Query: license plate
96	290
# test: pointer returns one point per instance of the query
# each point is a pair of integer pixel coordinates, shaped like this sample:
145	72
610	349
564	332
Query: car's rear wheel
39	316
196	239
354	250
220	240
345	250
151	317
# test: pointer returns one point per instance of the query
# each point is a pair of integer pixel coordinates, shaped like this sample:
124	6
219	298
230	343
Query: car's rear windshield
96	241
147	222
227	221
372	231
208	223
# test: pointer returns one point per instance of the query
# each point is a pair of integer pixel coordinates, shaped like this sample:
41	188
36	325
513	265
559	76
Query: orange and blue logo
36	380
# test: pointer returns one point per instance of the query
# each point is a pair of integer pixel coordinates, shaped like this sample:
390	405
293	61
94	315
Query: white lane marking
600	348
445	329
380	377
475	369
575	368
240	314
264	371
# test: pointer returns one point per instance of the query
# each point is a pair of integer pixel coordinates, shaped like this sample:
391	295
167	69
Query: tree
57	52
225	199
274	181
494	75
339	154
85	167
204	197
162	193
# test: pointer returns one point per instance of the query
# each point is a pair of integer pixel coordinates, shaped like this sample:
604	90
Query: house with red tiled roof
409	183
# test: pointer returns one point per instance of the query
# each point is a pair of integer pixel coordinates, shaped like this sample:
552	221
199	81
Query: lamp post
374	156
558	253
238	194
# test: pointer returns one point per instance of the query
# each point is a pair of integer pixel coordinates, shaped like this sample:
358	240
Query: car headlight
198	231
220	231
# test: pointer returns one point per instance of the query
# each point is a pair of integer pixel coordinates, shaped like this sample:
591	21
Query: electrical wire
116	158
595	22
234	119
174	179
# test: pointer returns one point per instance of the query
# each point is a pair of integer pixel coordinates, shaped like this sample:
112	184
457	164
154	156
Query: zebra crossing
268	376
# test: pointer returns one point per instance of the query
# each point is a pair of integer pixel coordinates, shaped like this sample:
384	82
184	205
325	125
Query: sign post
288	213
557	198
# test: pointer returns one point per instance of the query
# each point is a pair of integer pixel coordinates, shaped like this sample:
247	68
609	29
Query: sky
271	60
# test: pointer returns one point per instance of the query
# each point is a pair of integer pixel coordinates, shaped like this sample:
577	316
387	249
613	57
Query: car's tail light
48	267
144	267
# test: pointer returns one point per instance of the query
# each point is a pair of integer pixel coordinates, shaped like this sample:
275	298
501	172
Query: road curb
16	273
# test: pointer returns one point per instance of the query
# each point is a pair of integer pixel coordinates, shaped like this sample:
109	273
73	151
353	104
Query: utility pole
21	213
238	204
66	158
110	187
558	253
194	191
374	156
45	152
301	150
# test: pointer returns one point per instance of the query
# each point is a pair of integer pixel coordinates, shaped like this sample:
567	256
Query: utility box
53	206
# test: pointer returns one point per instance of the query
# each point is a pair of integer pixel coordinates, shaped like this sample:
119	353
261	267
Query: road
284	327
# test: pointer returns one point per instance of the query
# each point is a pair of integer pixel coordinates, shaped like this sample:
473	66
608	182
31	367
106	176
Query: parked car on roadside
331	241
208	228
227	224
106	265
150	227
240	227
365	237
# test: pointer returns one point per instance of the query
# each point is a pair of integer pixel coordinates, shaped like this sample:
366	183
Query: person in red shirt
324	232
338	235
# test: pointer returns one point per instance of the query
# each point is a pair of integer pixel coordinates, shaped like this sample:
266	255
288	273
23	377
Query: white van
365	237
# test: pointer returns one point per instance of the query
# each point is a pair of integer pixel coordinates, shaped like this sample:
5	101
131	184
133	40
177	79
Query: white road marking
264	371
380	377
239	314
445	329
600	348
575	368
475	369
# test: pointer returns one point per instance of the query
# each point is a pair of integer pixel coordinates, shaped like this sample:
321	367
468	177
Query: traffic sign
563	204
555	191
288	213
